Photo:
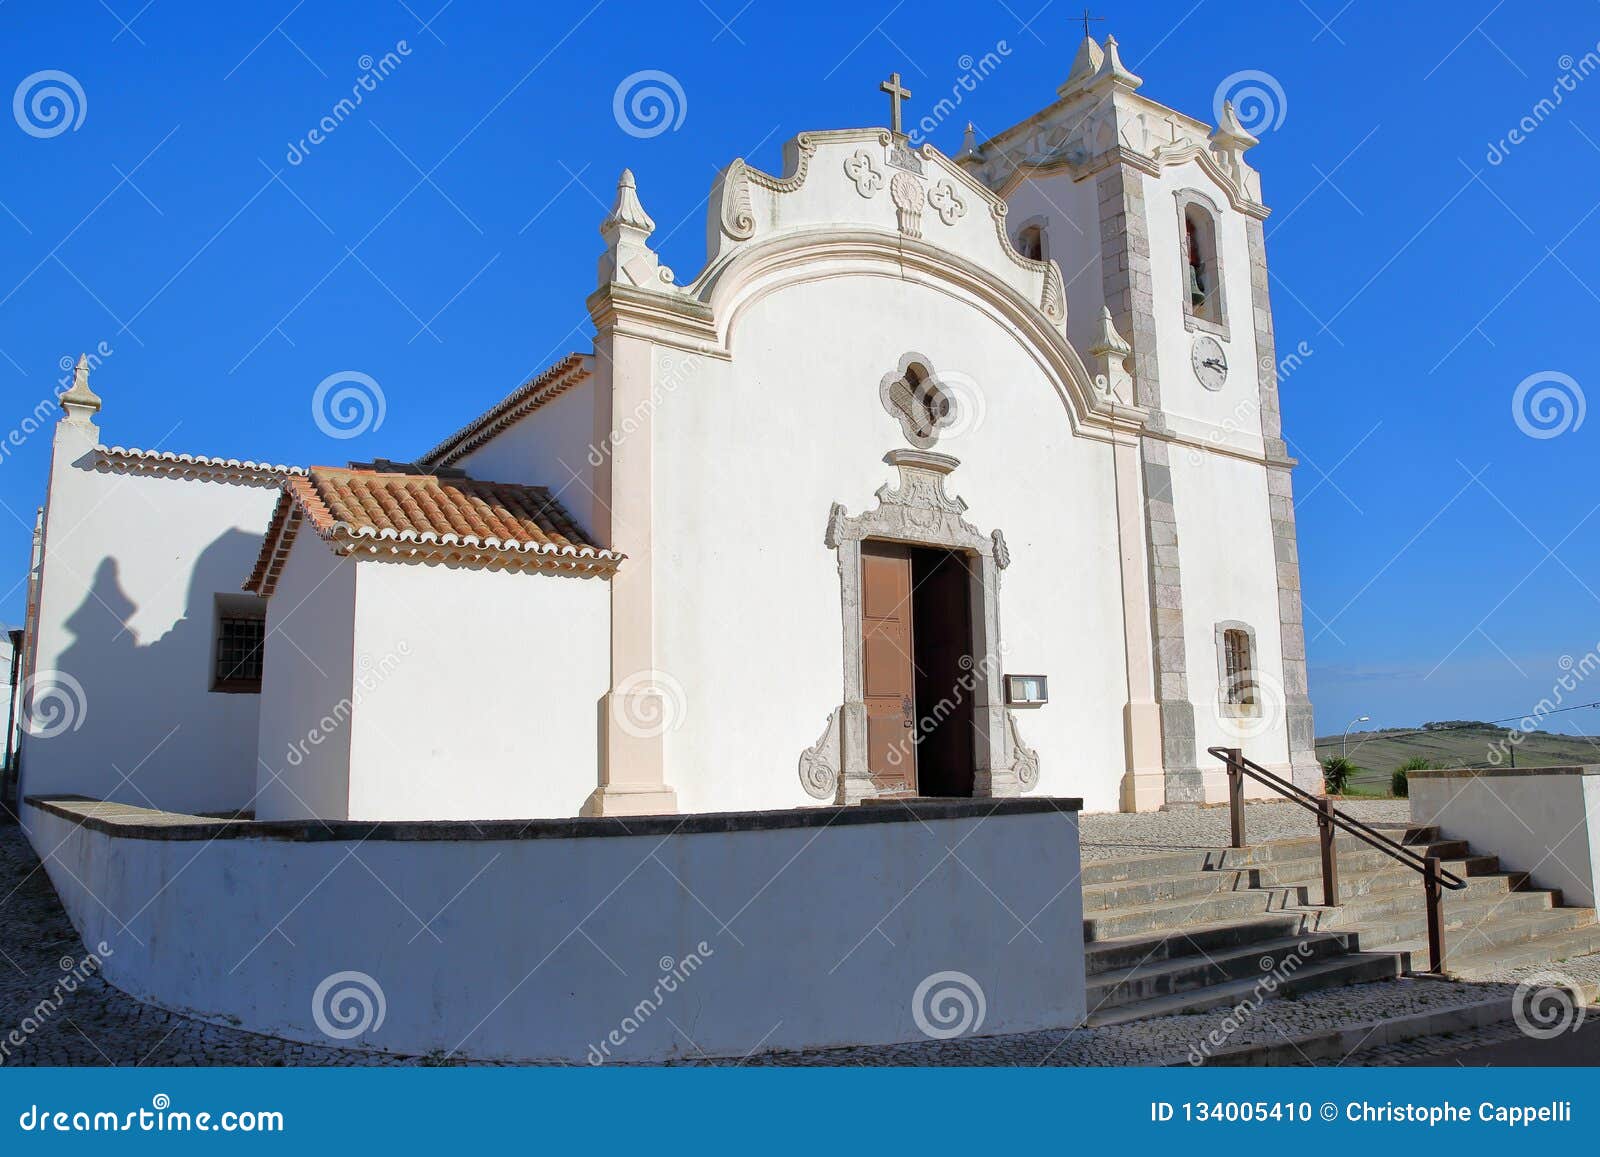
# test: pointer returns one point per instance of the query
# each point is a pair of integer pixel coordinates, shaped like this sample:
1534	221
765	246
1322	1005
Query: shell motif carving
906	193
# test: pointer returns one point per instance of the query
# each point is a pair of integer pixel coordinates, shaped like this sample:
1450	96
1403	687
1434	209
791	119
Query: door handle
907	712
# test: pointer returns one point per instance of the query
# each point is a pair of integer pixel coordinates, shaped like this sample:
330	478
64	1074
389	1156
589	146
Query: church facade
945	476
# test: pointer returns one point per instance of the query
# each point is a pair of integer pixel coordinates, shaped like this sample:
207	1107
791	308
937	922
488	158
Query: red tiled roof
551	383
427	517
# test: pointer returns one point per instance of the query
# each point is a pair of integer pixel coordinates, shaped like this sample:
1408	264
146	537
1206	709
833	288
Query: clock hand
1214	364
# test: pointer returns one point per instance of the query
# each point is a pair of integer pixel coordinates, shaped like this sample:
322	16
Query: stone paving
98	1025
1110	835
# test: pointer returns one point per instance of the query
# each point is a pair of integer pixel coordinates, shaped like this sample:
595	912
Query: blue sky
443	237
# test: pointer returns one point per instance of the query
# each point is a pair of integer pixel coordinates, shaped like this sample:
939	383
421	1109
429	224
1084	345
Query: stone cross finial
897	93
80	403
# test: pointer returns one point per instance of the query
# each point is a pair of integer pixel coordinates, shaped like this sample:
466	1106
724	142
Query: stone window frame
930	377
1040	222
918	512
1228	708
1187	199
232	609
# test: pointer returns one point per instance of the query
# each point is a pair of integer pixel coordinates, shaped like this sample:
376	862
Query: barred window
240	640
1239	682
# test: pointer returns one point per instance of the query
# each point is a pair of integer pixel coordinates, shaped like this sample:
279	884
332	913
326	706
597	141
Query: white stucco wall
540	947
303	756
133	565
1229	574
1230	416
751	455
1543	821
481	692
551	448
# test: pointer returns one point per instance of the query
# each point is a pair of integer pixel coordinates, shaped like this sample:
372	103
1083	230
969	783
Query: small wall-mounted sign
1027	690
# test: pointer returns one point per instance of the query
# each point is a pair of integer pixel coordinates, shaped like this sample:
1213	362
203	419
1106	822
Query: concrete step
1359	879
1166	916
1122	894
1484	939
1158	864
1485	897
1540	952
1279	958
1198	939
1352	857
1336	970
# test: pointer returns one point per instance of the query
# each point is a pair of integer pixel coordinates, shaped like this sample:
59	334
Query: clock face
1210	363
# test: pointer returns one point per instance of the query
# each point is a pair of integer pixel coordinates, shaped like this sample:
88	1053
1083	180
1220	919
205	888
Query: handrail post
1430	884
1236	795
1330	861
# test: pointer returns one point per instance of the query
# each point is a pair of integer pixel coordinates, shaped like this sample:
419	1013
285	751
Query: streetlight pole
1345	751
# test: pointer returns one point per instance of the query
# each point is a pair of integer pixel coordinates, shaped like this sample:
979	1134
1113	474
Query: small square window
1027	690
240	643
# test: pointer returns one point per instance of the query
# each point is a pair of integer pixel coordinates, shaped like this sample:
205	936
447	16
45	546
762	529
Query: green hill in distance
1456	743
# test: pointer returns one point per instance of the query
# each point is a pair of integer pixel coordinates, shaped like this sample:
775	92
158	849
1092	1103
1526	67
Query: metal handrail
1329	818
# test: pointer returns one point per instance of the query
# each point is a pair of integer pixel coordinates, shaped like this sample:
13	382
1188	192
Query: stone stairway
1188	931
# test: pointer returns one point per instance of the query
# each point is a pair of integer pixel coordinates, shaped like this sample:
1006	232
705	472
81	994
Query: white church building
944	476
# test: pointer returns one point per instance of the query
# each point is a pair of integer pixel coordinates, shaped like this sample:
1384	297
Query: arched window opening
1239	676
1030	242
1204	299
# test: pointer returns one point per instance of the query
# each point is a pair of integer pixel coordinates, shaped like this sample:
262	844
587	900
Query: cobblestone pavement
98	1025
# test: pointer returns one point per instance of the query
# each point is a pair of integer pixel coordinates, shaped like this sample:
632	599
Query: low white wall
1543	820
551	940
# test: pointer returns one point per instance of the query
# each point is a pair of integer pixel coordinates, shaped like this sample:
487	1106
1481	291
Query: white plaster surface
539	949
133	566
1545	825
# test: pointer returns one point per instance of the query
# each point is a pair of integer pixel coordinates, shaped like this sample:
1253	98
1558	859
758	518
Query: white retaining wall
1541	820
565	940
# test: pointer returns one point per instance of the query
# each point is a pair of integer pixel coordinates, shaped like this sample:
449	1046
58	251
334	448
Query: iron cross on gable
1086	21
897	93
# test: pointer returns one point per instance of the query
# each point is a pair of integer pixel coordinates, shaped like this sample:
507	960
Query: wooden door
887	669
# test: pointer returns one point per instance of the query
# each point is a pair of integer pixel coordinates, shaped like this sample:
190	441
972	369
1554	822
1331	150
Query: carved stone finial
80	403
1230	135
628	258
969	145
1084	67
1109	355
1113	72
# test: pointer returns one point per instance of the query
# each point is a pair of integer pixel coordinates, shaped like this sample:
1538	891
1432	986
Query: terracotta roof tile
425	517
